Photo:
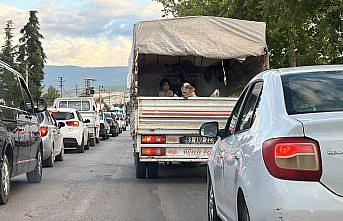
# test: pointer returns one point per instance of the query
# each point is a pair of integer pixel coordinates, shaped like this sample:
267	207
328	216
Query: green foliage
299	32
51	94
8	50
31	54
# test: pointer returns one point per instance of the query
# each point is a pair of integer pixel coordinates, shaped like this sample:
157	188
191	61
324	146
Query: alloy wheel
211	204
5	175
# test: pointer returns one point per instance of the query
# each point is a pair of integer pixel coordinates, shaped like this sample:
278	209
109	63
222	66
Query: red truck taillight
293	158
153	139
147	151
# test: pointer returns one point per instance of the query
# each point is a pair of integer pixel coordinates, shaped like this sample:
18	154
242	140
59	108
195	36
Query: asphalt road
101	185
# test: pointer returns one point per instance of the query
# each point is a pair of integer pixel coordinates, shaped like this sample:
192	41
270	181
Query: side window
249	107
9	88
231	123
27	101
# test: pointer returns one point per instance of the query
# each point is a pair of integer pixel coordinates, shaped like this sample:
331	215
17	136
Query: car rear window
63	115
313	92
78	105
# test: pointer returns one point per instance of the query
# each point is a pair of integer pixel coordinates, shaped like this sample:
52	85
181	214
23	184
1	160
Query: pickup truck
86	106
217	56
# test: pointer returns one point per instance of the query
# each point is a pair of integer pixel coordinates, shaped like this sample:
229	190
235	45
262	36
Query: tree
298	32
51	95
8	50
31	55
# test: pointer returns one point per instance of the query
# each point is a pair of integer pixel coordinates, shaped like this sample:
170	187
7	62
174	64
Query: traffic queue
33	136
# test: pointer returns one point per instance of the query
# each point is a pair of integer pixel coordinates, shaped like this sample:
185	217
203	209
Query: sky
88	33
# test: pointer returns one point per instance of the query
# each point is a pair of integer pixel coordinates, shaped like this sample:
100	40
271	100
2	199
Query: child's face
166	86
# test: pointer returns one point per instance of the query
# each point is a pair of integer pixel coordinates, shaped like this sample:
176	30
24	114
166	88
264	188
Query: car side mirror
210	130
41	105
61	124
87	121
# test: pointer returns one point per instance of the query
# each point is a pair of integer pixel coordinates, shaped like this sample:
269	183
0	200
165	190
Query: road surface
101	185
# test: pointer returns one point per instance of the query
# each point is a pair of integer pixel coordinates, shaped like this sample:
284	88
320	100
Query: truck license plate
197	140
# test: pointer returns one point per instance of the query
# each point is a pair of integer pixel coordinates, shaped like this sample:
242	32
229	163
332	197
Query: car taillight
43	131
293	158
153	139
153	151
73	123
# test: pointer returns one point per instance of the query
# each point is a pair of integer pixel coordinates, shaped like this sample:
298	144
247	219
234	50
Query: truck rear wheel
92	142
140	168
152	170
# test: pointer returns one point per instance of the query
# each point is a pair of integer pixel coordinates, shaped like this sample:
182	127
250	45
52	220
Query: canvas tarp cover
209	37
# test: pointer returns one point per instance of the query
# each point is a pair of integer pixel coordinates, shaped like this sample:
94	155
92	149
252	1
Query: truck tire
152	169
35	176
140	168
92	142
5	184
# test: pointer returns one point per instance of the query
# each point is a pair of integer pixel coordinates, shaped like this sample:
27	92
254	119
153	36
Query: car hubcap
211	204
5	177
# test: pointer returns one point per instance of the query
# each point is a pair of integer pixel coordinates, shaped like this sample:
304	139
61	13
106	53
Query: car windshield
313	92
63	115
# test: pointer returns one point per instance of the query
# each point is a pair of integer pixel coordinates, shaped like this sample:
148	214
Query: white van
87	108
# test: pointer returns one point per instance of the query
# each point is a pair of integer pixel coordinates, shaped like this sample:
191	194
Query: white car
281	154
52	139
74	128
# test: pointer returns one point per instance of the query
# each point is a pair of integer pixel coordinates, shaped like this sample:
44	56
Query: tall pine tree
31	54
8	50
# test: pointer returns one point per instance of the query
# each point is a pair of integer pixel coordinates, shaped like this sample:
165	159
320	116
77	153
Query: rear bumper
70	143
156	159
295	201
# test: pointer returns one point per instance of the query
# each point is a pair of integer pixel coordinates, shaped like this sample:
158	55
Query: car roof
298	70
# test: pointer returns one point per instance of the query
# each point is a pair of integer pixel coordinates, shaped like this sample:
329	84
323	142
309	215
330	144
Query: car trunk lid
327	129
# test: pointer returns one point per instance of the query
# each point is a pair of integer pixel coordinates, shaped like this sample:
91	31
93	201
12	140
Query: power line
61	81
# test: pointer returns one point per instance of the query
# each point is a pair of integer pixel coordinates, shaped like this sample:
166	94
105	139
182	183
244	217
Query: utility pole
101	89
109	101
61	81
76	90
88	85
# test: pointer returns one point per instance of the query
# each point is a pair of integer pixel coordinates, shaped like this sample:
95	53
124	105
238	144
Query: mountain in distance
112	78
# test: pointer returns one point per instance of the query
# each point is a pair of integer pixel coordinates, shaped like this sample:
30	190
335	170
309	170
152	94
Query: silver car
52	139
280	156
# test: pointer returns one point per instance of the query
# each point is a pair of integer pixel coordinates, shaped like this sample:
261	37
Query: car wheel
60	157
87	145
152	169
212	209
81	148
50	162
140	168
243	212
97	140
5	182
92	142
35	176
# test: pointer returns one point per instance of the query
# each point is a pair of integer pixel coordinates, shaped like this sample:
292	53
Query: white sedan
280	155
73	128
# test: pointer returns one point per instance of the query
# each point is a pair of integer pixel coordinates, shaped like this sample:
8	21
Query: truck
217	56
86	106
